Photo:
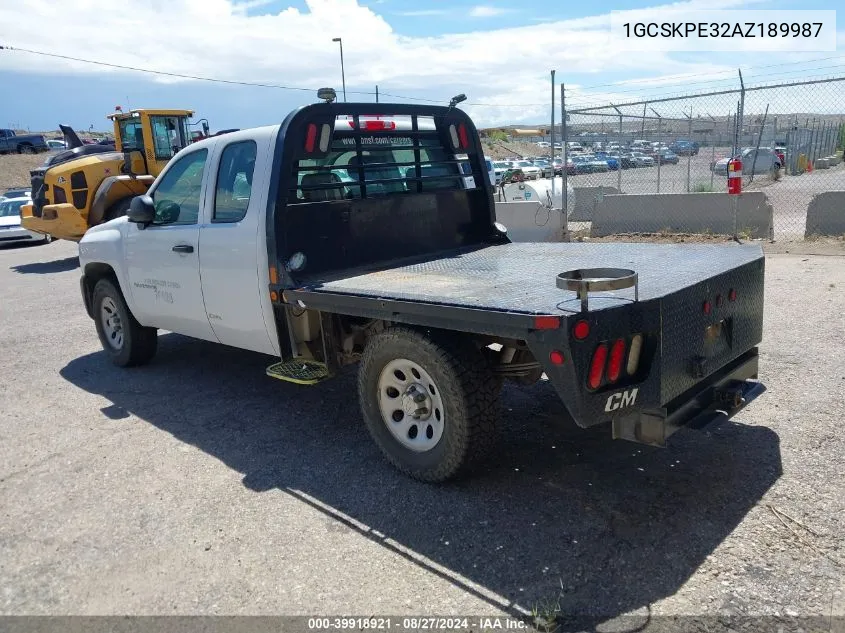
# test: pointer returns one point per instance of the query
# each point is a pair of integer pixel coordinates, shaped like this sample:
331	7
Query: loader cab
156	134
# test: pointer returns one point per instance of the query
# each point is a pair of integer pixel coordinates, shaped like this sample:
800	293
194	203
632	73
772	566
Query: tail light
463	136
581	330
707	307
617	358
310	138
732	295
597	366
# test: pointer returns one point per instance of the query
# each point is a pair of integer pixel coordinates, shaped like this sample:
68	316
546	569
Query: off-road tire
118	209
139	342
468	390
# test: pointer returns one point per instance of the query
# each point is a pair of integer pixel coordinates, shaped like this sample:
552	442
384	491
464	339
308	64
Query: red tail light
597	367
617	357
557	357
707	307
732	295
581	330
546	322
310	137
462	135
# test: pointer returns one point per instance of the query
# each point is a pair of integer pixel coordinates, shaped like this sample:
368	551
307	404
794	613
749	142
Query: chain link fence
660	167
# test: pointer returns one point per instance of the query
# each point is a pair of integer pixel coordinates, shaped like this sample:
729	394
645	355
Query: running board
301	371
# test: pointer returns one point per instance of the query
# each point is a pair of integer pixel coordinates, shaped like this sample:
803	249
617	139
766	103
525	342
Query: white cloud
486	11
500	67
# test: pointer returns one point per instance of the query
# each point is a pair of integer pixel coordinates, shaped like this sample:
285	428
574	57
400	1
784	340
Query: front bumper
62	221
717	398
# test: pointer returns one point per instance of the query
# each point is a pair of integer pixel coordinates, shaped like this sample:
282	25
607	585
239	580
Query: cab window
169	135
177	197
234	182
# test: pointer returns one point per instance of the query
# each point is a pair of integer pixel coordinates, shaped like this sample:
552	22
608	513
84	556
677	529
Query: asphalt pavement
197	485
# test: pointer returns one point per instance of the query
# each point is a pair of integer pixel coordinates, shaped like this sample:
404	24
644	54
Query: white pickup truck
366	233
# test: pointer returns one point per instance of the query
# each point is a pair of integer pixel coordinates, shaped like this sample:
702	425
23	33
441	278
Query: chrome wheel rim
112	325
411	405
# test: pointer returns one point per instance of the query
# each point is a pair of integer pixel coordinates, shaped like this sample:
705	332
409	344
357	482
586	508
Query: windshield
11	208
523	163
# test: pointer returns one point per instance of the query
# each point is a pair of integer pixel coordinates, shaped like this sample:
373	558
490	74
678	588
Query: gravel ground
196	485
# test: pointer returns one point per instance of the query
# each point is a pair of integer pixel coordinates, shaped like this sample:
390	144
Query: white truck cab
203	273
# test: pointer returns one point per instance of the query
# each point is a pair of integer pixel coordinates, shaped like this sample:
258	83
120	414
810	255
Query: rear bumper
717	398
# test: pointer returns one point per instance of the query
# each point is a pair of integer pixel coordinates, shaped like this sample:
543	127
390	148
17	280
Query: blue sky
499	53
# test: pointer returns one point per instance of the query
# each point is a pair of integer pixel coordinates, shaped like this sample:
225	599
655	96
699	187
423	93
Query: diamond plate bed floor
520	277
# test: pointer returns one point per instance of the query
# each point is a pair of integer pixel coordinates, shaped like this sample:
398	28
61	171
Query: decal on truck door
621	400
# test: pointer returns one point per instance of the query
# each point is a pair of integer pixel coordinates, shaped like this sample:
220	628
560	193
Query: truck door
232	248
163	258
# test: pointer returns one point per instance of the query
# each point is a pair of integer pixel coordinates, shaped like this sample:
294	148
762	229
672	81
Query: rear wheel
26	149
430	402
126	341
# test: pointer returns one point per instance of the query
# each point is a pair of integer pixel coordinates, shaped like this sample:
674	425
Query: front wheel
429	401
47	239
127	342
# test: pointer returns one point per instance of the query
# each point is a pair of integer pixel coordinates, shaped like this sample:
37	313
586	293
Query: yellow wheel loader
87	185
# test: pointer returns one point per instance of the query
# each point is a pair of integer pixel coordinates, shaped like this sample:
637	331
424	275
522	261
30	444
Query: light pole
342	71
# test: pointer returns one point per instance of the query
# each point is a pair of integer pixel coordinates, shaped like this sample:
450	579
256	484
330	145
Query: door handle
183	248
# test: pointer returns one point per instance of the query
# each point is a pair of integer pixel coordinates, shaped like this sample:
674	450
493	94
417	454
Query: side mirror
141	210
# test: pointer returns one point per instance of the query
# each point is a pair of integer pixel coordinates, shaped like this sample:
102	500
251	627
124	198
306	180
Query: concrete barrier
531	221
585	200
822	163
826	214
683	213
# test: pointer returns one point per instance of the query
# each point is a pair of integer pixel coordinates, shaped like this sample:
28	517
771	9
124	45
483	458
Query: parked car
499	168
545	167
23	192
543	144
780	150
10	143
626	161
56	144
579	165
531	171
642	160
766	161
612	162
11	231
557	164
665	156
684	148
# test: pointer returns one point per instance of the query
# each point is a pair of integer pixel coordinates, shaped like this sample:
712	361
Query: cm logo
621	400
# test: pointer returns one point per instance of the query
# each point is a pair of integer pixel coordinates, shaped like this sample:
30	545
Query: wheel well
93	273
